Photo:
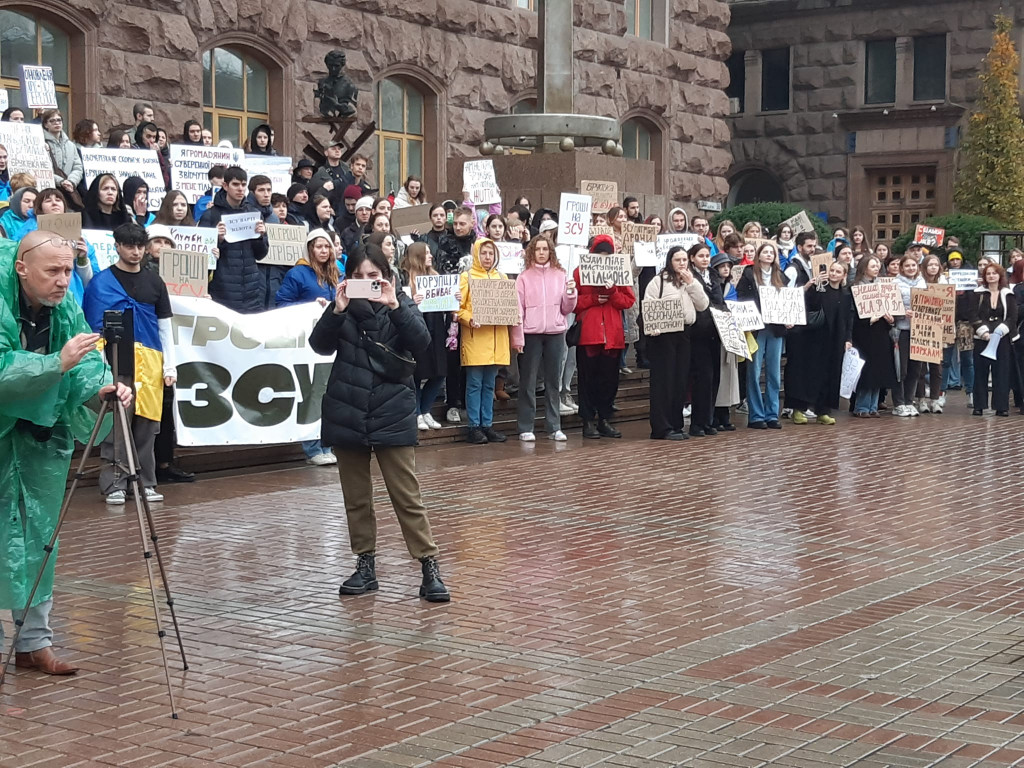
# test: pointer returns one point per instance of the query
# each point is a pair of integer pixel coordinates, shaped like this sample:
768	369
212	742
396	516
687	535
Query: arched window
400	134
755	186
636	140
236	95
524	107
28	39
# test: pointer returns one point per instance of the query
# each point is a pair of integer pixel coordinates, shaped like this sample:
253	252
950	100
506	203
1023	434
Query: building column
904	71
752	91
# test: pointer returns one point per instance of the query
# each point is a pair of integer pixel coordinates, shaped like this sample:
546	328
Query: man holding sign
237	282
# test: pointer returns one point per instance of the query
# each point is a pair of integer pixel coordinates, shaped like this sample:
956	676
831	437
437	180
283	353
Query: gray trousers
569	367
547	351
36	633
144	431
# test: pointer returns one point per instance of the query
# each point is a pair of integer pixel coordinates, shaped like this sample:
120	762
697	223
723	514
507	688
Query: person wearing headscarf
104	205
192	134
136	200
261	141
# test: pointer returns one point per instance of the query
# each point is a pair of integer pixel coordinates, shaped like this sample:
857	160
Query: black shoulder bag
387	363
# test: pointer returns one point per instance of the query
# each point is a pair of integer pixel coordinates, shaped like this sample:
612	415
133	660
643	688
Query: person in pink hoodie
546	296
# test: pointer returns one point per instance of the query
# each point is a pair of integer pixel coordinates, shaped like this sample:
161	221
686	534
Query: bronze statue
336	92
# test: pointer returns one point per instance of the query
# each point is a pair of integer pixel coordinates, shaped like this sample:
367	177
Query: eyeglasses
56	242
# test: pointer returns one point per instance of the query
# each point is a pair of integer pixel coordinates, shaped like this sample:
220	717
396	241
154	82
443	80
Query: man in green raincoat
51	382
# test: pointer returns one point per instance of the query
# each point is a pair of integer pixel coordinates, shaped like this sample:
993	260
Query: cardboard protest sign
964	279
600	229
37	88
574	219
799	223
190	167
275	167
646	255
820	262
197	239
124	163
746	314
412	218
287	244
877	299
241	226
510	258
66	225
930	237
926	325
782	306
757	242
102	242
662	315
479	182
733	340
631	232
440	293
685	240
184	273
26	152
602	268
495	302
605	194
948	294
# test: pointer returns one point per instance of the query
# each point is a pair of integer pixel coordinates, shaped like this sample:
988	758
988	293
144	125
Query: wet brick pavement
822	596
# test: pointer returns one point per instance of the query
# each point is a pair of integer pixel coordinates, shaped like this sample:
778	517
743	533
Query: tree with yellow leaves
991	180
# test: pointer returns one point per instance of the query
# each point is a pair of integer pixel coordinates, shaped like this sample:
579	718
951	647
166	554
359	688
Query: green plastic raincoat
32	473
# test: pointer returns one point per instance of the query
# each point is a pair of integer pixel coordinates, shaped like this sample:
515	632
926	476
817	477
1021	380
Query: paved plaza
822	596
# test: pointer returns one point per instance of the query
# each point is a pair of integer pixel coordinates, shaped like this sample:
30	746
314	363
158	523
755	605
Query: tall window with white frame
526	5
236	95
636	140
28	39
400	133
638	18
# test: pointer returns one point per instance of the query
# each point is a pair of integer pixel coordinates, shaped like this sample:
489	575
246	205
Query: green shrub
968	228
770	215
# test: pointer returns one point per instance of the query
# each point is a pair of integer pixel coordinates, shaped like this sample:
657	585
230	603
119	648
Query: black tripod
112	333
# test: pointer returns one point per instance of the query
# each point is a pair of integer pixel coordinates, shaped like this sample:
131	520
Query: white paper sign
782	306
277	168
5	99
569	257
574	219
685	240
646	255
26	152
511	258
479	182
746	315
440	293
190	166
124	163
853	364
241	226
102	242
733	340
37	88
199	239
964	279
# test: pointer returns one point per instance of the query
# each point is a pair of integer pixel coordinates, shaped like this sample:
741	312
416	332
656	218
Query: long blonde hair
414	263
327	273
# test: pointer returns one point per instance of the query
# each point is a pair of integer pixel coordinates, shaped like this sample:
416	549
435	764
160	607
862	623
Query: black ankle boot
590	431
364	579
607	430
433	589
494	436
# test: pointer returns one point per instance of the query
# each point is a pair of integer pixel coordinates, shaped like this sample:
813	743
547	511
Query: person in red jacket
599	312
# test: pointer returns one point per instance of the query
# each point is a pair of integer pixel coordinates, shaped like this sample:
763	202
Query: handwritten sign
37	88
782	306
662	315
600	229
926	325
124	163
241	226
605	194
877	299
574	219
5	99
685	240
631	233
197	239
184	273
479	182
26	152
964	279
412	218
646	255
820	262
440	293
511	258
287	244
603	268
746	314
102	242
948	294
495	302
853	364
277	168
66	225
733	340
190	167
930	237
799	223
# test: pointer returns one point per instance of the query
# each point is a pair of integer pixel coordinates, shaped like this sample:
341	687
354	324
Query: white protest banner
190	167
603	268
574	219
5	99
184	273
479	182
495	302
511	258
926	324
685	240
241	226
662	316
799	223
782	306
631	233
964	279
277	168
930	237
124	163
604	194
66	225
287	244
746	314
201	239
569	257
37	88
102	242
646	255
249	379
440	293
853	364
876	299
733	340
26	152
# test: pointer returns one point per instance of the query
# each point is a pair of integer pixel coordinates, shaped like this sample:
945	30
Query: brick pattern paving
844	596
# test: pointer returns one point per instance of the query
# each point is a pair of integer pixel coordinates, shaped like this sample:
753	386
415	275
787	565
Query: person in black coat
996	315
835	303
237	282
705	346
370	406
872	337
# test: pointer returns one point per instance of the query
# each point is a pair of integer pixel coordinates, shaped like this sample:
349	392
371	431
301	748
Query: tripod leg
135	481
48	549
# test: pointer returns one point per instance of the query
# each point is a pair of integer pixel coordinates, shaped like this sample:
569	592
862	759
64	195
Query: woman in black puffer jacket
370	406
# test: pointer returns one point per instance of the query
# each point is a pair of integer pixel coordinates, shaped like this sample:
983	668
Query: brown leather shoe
499	390
44	661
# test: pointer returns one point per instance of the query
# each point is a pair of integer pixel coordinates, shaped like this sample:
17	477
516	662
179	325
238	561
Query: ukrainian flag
105	292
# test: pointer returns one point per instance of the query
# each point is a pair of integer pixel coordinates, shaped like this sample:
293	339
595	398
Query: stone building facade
430	71
855	109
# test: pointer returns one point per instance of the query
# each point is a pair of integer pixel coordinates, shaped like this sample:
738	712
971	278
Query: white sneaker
116	498
787	413
153	495
810	414
322	460
913	411
937	406
331	458
742	407
900	410
431	421
452	417
572	404
924	406
970	400
565	410
941	402
528	437
686	411
421	423
558	436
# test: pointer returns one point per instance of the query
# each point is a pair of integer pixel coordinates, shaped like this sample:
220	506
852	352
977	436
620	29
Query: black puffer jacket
237	282
359	408
451	250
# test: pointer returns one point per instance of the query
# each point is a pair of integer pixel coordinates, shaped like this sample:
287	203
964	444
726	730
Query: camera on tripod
113	326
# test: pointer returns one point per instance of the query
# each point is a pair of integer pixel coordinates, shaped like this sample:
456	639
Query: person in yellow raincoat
51	381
